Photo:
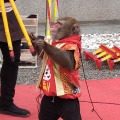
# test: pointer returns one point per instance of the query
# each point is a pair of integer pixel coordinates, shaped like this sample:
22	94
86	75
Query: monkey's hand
32	36
41	43
37	44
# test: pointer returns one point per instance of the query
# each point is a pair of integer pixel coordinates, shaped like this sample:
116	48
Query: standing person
9	70
59	78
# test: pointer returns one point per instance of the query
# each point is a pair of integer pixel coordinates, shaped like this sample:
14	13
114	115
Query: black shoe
15	111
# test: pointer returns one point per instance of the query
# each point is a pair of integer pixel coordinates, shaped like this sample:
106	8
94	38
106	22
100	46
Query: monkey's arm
62	57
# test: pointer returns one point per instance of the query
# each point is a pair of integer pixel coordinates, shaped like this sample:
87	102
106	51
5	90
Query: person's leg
47	109
70	109
9	72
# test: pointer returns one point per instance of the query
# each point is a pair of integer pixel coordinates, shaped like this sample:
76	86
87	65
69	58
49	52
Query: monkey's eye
59	23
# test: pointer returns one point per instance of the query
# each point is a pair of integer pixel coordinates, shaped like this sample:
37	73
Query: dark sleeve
7	0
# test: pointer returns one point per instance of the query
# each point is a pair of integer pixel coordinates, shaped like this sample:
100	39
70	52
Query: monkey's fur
64	58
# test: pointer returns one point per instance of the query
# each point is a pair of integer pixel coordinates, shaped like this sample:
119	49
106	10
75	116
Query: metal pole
7	31
22	27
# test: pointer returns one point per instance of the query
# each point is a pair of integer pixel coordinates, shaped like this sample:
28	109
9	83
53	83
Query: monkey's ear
76	28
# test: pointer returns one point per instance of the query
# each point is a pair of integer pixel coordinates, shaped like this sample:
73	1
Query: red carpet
104	93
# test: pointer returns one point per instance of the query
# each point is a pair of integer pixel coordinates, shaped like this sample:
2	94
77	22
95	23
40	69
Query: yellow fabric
45	58
58	82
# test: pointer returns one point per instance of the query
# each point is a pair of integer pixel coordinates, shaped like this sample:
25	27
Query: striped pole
56	10
48	18
7	31
22	27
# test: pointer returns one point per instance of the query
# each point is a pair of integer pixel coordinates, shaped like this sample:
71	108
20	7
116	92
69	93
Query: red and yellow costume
57	81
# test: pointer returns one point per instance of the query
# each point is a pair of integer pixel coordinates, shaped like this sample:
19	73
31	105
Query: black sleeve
7	1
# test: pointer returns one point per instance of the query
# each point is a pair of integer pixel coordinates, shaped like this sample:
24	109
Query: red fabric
73	39
74	78
70	80
48	84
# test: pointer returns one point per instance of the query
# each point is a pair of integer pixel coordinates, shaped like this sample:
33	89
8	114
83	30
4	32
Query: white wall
83	10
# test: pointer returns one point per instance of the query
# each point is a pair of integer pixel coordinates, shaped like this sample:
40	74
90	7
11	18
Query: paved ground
88	71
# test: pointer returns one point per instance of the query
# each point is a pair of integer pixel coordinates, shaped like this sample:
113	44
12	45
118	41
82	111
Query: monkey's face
54	29
59	30
65	27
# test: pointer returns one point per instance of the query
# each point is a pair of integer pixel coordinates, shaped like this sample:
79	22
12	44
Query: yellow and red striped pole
56	10
22	27
48	17
7	31
49	14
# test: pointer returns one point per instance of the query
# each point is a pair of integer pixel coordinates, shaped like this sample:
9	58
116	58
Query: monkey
64	27
59	78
